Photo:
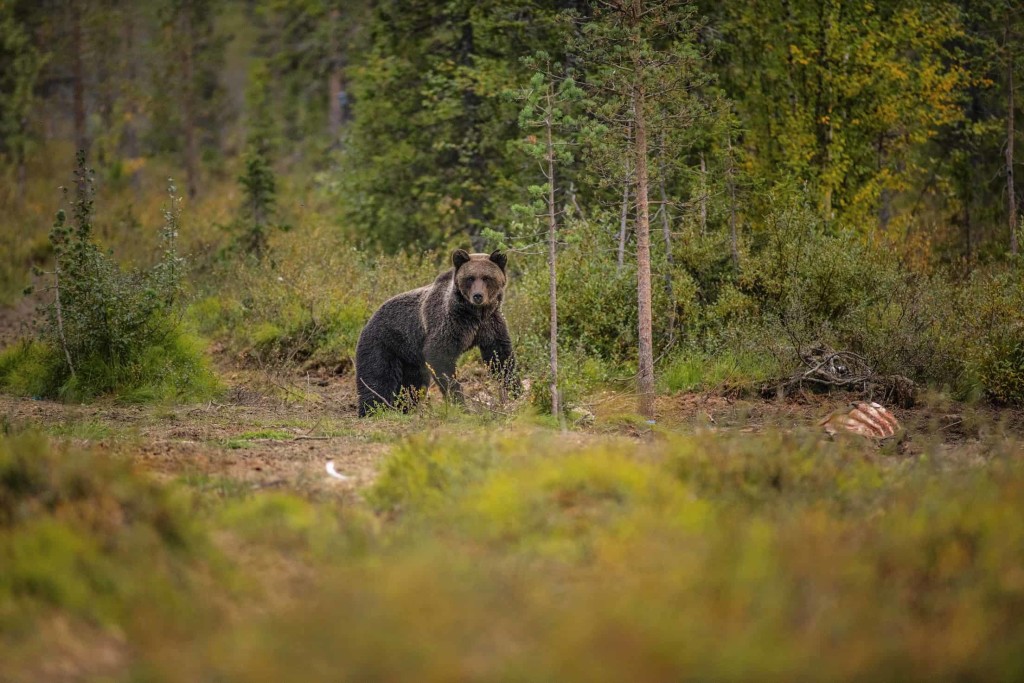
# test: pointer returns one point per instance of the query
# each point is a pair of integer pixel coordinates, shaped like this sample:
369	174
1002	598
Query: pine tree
189	112
428	155
21	62
258	182
643	66
548	104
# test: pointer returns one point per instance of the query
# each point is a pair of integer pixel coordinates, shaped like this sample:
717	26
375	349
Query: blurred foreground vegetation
501	554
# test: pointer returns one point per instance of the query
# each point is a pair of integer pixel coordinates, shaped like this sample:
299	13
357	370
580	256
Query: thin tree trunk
667	234
623	219
825	65
556	407
131	130
1011	195
624	214
131	134
21	179
645	360
885	196
60	317
575	203
703	194
189	107
78	81
730	181
968	226
334	112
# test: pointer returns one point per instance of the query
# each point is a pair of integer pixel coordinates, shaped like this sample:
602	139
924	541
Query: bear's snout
476	291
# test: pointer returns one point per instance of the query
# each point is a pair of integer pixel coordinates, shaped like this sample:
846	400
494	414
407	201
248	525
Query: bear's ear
459	257
500	259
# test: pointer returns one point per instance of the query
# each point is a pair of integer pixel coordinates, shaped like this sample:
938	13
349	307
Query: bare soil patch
278	430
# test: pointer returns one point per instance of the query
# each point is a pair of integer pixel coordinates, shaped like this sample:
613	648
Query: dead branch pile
824	369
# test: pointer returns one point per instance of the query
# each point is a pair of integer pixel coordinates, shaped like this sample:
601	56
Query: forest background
818	173
727	218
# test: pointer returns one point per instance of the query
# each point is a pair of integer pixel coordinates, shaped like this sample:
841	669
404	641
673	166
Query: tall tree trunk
21	178
131	133
189	105
885	195
623	222
703	194
624	213
473	136
645	359
826	102
556	406
667	234
1011	195
334	111
730	182
78	80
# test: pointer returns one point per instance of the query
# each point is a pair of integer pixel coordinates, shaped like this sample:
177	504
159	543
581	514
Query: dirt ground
279	430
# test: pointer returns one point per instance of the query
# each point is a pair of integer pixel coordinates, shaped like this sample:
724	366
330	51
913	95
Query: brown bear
419	335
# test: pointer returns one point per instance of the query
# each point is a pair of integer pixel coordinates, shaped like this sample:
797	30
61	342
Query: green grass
266	435
714	557
723	371
87	430
174	369
84	535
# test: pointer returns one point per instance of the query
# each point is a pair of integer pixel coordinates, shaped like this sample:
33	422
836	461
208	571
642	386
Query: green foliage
84	534
423	474
523	555
188	60
258	181
311	308
428	146
703	559
21	62
107	330
31	369
840	97
991	334
172	368
725	371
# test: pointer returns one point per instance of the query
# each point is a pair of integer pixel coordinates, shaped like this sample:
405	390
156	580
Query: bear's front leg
496	350
441	366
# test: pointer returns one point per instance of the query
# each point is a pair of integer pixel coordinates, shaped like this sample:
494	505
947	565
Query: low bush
84	534
309	304
990	334
107	330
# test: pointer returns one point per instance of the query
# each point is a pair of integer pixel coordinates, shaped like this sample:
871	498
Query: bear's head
480	278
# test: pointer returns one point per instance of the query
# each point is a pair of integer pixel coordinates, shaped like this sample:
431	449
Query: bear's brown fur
419	335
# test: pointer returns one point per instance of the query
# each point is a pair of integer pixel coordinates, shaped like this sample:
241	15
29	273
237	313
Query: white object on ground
865	419
334	473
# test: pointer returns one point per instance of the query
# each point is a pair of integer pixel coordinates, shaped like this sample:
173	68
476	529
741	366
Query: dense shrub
990	332
108	330
310	305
